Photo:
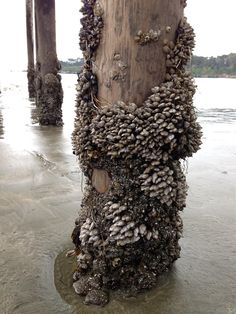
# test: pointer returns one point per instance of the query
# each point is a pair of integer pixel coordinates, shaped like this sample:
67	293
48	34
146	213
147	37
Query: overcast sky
213	20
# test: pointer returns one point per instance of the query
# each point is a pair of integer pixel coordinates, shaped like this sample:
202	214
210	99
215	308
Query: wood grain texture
101	180
140	67
30	48
46	36
29	31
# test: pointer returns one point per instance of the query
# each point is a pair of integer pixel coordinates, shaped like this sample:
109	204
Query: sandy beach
40	194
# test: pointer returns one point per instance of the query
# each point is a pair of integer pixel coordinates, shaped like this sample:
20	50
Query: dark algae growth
129	225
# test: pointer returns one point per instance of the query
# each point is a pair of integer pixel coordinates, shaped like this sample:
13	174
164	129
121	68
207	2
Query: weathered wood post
48	83
30	48
135	122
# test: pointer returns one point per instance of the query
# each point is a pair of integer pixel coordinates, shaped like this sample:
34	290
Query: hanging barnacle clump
139	147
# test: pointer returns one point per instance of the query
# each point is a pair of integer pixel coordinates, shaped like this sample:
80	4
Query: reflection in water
34	113
166	292
22	130
1	118
1	126
225	115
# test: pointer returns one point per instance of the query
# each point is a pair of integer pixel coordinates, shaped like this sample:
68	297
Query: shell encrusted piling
141	147
31	79
49	99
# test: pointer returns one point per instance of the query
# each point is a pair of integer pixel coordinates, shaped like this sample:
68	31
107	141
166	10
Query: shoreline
40	193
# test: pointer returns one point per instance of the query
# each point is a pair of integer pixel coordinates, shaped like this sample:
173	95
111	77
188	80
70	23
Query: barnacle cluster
49	99
119	70
143	38
49	96
140	146
92	24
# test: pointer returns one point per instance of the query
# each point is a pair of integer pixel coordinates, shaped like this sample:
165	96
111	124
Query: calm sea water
215	98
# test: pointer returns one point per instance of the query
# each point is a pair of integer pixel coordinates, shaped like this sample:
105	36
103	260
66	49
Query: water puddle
147	302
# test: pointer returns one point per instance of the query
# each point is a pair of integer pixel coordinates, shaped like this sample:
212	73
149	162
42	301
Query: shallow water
40	193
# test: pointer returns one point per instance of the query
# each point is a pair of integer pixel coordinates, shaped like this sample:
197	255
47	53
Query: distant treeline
71	65
222	66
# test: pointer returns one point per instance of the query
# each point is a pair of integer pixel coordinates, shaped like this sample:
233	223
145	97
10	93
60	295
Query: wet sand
40	193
